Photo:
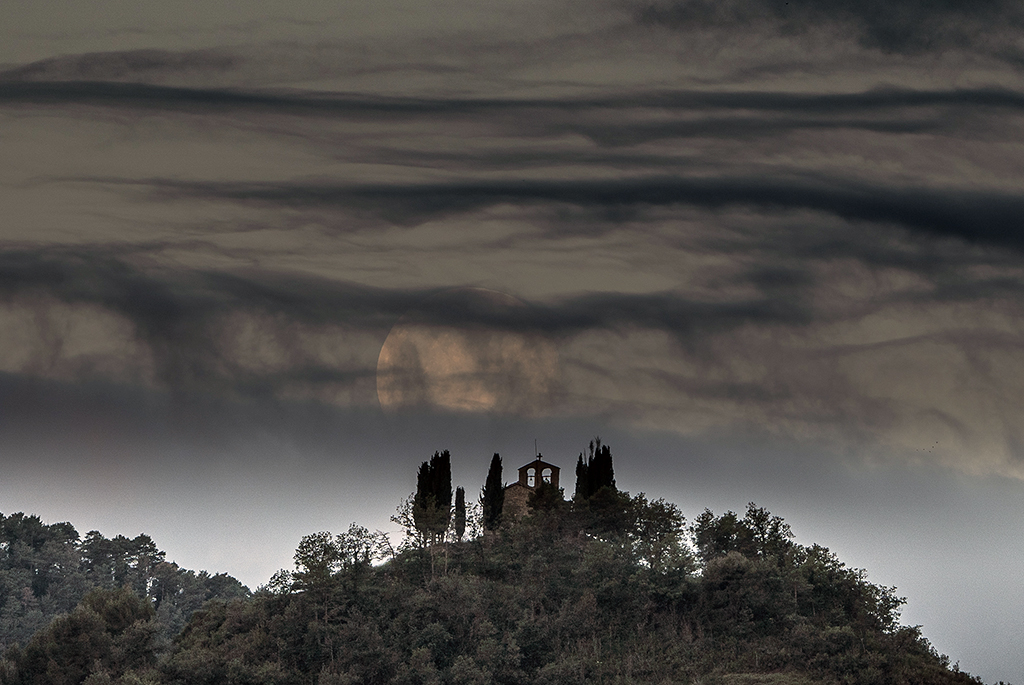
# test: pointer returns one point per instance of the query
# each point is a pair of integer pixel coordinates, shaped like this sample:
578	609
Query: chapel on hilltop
530	476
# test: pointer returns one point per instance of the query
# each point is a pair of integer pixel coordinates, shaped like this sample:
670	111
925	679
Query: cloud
738	128
90	316
557	116
974	216
174	306
152	66
190	329
858	336
900	26
21	86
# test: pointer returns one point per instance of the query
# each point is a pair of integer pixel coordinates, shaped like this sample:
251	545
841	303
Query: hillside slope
615	589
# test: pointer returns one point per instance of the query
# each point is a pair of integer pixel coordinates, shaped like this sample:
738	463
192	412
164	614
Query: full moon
460	351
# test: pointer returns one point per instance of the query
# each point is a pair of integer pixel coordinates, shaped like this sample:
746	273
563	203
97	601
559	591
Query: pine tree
492	498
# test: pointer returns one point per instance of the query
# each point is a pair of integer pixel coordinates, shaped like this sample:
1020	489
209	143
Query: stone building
530	476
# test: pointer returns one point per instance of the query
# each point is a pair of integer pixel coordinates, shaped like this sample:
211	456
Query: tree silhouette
581	492
492	498
460	513
433	500
594	473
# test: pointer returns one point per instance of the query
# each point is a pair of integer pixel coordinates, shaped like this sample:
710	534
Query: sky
259	260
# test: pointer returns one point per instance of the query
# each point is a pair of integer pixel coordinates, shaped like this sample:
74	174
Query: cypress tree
492	497
432	502
460	513
600	470
582	482
442	481
596	472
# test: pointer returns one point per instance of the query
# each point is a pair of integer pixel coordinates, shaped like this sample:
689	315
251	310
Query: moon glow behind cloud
426	363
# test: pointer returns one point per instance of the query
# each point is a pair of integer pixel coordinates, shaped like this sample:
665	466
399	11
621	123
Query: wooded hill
606	588
46	570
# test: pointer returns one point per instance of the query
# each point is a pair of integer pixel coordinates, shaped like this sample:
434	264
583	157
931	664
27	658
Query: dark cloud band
163	303
143	96
182	318
974	216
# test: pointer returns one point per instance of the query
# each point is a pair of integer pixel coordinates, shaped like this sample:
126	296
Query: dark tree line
47	569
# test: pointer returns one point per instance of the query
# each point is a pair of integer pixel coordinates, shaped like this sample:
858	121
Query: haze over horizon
259	261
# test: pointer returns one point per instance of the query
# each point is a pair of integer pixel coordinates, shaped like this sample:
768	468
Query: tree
403	516
659	535
581	479
757	534
432	502
109	632
316	560
357	549
492	498
121	561
460	513
594	473
546	497
771	535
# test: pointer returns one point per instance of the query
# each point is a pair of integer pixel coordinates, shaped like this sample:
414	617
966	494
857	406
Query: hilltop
605	588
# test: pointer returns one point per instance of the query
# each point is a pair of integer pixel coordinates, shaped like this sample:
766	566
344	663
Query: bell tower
517	495
538	471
